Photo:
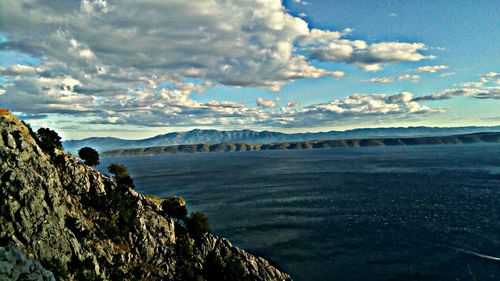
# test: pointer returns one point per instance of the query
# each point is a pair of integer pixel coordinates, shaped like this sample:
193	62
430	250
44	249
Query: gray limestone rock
79	221
15	266
11	142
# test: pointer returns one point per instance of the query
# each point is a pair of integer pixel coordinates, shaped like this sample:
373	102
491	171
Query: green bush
120	209
49	139
122	177
89	155
118	169
118	205
175	206
197	225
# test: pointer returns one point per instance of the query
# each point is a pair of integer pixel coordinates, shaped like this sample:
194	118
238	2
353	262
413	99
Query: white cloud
369	57
386	80
265	103
490	75
338	74
481	89
215	113
111	60
293	104
216	41
431	68
412	78
382	80
374	104
446	74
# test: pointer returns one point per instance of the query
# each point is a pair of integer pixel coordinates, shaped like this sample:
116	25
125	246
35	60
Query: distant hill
265	137
229	146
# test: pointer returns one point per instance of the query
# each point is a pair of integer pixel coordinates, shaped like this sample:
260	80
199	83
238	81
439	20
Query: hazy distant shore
230	146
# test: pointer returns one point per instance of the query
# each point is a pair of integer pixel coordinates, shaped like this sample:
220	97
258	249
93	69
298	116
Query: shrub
49	139
175	206
120	205
197	225
118	169
89	155
121	175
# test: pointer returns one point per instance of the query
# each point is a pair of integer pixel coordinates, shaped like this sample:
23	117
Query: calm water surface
373	213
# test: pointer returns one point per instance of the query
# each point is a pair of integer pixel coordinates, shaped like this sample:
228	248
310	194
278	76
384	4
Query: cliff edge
80	225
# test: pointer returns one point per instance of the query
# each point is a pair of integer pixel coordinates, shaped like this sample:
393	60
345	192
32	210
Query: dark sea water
372	213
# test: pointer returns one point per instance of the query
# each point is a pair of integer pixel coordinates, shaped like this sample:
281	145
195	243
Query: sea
369	213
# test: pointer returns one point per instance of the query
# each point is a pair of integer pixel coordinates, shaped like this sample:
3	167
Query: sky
138	68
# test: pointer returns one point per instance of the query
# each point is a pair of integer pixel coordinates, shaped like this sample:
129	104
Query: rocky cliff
79	224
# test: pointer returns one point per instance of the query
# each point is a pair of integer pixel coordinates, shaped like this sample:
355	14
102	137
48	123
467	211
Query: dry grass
153	198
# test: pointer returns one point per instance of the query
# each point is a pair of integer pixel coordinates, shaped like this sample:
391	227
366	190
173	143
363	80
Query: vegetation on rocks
175	207
84	225
197	225
89	155
121	175
49	139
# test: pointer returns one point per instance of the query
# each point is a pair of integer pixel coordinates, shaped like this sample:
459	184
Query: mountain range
197	136
230	147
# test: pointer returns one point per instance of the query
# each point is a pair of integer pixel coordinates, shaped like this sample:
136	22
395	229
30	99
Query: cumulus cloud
484	88
382	80
374	104
386	80
111	61
265	103
368	57
34	90
412	78
338	111
431	68
367	107
249	43
338	74
446	74
293	104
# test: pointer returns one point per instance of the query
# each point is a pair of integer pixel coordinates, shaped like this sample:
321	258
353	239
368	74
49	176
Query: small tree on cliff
121	203
175	206
89	155
121	175
197	225
49	139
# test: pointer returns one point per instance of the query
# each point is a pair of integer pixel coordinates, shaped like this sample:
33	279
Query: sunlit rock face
70	218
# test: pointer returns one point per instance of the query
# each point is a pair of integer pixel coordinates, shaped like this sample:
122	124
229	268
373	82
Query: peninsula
493	137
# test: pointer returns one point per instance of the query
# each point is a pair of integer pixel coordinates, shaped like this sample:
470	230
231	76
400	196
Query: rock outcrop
15	266
80	225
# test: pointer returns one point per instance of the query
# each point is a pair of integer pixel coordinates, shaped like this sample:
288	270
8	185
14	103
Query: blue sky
138	68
